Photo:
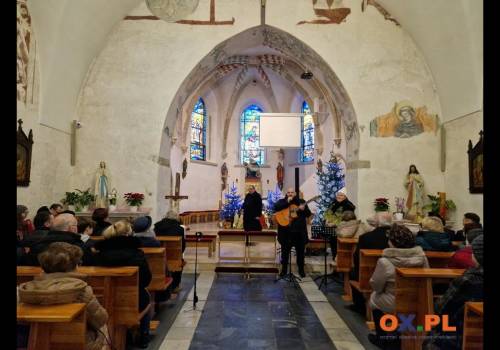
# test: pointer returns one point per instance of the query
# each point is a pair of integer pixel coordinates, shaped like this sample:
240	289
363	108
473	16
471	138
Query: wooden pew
54	327
117	290
368	261
208	241
345	252
157	261
173	248
414	296
238	236
473	326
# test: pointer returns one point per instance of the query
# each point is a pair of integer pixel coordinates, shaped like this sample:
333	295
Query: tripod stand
290	277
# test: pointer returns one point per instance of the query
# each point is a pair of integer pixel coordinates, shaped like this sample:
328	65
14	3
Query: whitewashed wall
458	134
130	86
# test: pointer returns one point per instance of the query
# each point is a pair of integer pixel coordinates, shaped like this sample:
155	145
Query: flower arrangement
434	205
400	204
112	197
381	204
85	197
71	198
134	199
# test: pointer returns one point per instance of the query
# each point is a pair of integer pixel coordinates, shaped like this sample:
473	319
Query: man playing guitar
295	233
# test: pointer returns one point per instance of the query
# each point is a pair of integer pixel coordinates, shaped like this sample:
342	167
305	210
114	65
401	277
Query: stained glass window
250	135
198	148
307	148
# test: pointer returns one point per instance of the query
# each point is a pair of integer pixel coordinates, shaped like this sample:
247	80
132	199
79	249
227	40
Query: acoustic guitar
285	216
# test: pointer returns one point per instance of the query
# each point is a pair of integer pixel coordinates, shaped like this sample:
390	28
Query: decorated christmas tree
330	180
232	205
272	198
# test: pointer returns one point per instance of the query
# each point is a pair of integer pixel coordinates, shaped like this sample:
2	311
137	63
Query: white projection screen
280	130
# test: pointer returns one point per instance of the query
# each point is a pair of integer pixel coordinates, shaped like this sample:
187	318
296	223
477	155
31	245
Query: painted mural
404	121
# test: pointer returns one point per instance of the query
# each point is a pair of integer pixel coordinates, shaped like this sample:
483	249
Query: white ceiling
71	34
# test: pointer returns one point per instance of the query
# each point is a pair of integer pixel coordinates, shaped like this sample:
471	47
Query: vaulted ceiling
71	34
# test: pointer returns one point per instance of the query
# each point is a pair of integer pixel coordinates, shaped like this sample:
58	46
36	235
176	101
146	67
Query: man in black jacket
63	229
295	234
252	210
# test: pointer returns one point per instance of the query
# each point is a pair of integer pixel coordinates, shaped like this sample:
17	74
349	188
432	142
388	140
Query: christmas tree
232	205
272	198
329	182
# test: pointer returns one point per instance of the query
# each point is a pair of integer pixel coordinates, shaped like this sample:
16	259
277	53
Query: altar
118	214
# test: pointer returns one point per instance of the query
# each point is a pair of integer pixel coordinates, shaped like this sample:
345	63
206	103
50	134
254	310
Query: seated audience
349	226
44	208
470	220
56	209
85	230
450	232
142	226
61	284
171	226
375	239
24	225
462	259
468	287
432	236
100	216
43	221
63	229
402	252
120	248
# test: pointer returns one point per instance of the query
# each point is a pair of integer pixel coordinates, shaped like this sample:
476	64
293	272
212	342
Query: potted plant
85	199
381	204
400	206
112	200
134	200
70	200
434	206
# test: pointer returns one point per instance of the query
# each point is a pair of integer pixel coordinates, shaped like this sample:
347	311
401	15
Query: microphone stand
195	295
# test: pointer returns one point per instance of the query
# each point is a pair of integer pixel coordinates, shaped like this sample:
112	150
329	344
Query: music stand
326	233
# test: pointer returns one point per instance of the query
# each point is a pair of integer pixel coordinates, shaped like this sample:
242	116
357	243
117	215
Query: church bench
157	261
414	296
368	261
246	237
345	252
173	248
473	326
54	327
116	288
208	241
238	236
266	236
198	216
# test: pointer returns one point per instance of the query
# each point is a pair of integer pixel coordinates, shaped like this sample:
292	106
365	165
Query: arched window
198	148
250	135
307	143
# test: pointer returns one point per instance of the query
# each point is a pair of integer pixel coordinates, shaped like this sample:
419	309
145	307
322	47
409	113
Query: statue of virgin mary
101	189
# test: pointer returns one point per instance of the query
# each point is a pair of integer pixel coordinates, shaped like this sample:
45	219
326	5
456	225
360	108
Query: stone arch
300	57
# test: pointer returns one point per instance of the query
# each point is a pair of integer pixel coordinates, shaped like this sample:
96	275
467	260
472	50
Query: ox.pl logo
390	323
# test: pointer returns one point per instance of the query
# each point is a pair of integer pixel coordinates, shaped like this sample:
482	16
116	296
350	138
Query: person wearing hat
402	252
333	215
142	230
468	287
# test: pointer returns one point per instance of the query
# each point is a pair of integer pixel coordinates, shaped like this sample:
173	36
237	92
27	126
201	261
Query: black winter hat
142	223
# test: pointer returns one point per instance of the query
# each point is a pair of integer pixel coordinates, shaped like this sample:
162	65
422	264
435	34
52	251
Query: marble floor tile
347	345
175	344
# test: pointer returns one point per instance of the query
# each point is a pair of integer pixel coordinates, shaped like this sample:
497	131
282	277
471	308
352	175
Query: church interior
142	139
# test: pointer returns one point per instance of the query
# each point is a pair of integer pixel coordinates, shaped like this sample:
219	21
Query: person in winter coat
462	259
252	210
42	221
468	287
141	227
24	225
100	216
64	229
402	252
120	248
61	284
432	236
350	226
469	221
171	226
